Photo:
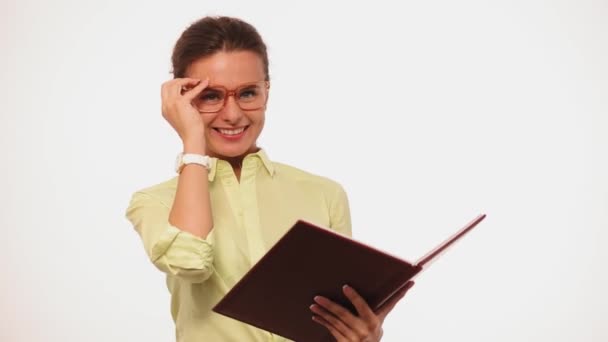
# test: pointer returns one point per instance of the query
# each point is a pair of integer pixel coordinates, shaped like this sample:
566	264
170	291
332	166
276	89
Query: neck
237	161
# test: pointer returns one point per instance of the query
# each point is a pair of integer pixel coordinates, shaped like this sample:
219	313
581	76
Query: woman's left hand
344	326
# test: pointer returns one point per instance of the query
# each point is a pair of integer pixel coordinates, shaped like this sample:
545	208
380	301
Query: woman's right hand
177	96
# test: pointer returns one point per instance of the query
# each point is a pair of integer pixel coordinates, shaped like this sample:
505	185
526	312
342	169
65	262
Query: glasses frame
233	92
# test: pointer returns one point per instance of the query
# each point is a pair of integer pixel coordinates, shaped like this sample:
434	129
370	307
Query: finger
354	323
335	333
334	322
178	86
189	95
391	303
365	312
386	309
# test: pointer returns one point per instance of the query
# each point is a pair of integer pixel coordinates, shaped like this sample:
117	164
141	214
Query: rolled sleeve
170	249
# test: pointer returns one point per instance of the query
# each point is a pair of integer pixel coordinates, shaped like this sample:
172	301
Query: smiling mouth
231	132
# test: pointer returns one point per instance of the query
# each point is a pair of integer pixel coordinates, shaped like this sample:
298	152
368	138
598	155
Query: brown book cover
275	295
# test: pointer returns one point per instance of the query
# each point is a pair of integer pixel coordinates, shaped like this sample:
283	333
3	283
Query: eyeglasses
250	96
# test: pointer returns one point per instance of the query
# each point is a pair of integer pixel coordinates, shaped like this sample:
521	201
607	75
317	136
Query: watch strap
184	159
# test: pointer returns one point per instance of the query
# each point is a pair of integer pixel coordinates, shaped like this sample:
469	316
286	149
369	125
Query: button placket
231	187
251	217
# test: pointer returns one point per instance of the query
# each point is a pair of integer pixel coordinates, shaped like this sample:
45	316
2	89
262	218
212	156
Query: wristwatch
184	159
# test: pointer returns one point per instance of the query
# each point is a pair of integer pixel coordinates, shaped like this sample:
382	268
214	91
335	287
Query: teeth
231	131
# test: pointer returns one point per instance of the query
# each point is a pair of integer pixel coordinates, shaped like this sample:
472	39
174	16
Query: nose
231	113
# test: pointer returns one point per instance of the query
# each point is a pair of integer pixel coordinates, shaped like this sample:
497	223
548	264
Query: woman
230	202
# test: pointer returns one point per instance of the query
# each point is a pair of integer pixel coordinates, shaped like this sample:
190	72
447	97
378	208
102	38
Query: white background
427	112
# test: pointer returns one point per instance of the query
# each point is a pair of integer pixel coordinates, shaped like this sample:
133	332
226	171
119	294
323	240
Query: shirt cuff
182	252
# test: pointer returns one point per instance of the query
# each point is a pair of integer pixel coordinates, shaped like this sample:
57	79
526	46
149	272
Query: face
231	132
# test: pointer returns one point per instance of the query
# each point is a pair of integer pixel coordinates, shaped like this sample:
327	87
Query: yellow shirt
249	217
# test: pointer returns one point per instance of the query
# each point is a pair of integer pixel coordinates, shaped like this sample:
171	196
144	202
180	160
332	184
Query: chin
231	151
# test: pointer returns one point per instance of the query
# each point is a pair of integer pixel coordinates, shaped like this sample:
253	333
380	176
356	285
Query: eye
248	93
211	96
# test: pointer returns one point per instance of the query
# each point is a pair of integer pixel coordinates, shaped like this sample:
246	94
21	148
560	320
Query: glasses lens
251	96
210	100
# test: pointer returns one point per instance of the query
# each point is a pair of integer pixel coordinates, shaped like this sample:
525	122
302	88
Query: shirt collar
266	161
260	154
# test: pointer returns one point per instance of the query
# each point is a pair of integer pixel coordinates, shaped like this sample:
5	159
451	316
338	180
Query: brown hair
214	34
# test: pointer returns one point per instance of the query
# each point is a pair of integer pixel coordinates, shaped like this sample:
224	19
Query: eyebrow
243	85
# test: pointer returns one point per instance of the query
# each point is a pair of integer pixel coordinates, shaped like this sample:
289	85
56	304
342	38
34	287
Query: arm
170	249
191	210
178	240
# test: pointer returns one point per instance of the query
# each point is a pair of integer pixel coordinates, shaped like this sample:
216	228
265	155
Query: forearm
173	250
191	210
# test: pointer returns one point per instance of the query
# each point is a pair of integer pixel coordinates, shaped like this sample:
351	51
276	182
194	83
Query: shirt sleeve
170	249
339	212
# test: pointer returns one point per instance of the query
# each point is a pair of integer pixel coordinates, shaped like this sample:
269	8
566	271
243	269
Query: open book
308	260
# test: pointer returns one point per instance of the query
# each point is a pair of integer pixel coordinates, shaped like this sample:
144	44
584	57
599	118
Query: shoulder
163	192
294	174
